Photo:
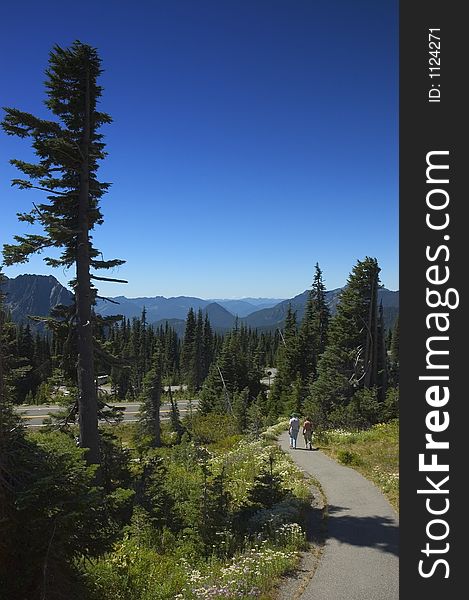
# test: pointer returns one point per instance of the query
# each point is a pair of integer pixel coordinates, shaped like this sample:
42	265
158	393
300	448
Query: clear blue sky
251	138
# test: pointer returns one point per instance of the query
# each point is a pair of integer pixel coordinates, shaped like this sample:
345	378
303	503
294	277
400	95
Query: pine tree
312	337
23	367
207	348
298	394
11	430
240	409
188	344
151	400
287	366
267	489
144	354
394	354
382	361
395	345
69	149
196	376
257	415
7	343
171	353
152	495
232	371
321	311
175	418
213	516
350	361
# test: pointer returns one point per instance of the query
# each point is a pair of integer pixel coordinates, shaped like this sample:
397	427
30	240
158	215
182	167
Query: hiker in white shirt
293	429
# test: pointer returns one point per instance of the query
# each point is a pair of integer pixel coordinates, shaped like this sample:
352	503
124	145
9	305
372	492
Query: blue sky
251	138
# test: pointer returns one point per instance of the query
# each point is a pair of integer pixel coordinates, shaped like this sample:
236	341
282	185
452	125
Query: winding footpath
360	558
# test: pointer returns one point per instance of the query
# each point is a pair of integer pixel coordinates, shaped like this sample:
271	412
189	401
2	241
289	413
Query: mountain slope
219	317
245	306
34	295
158	308
274	317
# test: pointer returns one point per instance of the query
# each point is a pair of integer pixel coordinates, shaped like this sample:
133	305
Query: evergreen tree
151	493
350	361
382	361
321	311
69	149
388	340
240	409
267	489
312	337
151	400
143	354
287	366
296	399
188	345
196	375
10	424
171	353
395	351
232	371
23	352
214	515
135	342
175	418
207	348
257	415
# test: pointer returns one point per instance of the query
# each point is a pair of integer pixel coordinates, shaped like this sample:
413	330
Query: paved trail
360	559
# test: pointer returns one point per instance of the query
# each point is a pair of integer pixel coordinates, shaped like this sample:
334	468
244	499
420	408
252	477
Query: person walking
293	429
308	433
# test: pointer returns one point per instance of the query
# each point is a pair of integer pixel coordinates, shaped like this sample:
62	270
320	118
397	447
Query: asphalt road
34	415
360	559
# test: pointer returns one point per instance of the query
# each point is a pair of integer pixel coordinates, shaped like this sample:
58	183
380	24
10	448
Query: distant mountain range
271	318
159	308
37	294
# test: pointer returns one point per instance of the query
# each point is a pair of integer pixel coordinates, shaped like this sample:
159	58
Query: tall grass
374	453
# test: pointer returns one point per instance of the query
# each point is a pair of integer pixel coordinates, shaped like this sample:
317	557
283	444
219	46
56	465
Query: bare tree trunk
2	397
374	331
87	400
383	376
2	389
371	355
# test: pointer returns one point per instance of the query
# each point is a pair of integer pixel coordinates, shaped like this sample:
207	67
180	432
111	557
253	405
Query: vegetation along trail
360	559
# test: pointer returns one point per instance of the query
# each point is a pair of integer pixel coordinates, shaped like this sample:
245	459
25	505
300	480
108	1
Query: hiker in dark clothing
308	433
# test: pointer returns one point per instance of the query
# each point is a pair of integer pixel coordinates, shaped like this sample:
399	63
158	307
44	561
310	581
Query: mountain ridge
31	294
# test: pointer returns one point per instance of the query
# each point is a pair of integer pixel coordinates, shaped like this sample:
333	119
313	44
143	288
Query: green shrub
55	516
391	404
347	457
134	572
212	428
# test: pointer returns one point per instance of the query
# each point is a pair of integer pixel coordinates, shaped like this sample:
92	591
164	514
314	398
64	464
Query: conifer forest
182	503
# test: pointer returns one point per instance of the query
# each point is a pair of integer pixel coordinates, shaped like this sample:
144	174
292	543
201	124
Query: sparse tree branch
23	184
107	299
108	279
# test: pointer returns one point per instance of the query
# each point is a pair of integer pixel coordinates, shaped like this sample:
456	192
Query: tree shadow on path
370	531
